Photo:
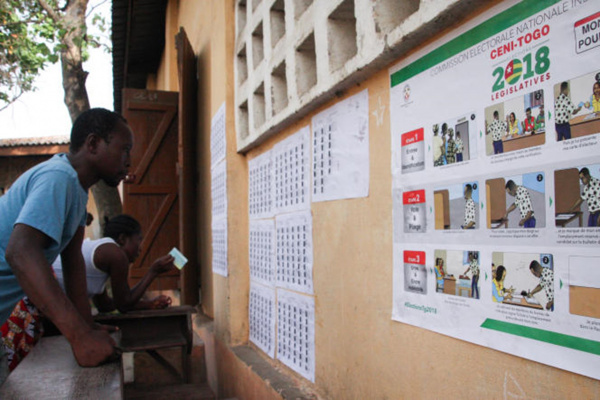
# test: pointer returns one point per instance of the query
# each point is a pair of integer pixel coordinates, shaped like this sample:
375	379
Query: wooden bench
51	372
151	330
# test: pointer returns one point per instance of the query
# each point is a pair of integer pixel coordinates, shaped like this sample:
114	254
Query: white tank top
96	279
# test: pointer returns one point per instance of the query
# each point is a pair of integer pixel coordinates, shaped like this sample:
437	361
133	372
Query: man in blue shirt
44	215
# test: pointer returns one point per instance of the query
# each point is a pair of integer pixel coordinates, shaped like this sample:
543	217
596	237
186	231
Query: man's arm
509	210
74	275
103	302
112	259
577	204
25	255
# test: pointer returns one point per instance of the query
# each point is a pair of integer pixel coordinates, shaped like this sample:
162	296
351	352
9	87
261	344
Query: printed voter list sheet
340	153
292	170
296	332
261	317
218	140
219	247
262	251
295	251
219	191
260	186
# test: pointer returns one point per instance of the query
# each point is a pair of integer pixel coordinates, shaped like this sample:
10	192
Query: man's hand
549	305
93	348
162	264
160	302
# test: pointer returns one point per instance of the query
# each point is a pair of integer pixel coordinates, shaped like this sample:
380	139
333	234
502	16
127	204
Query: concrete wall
360	352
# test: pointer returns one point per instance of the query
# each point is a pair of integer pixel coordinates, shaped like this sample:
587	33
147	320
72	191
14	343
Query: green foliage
31	37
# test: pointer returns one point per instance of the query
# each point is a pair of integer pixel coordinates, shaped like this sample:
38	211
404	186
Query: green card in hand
180	259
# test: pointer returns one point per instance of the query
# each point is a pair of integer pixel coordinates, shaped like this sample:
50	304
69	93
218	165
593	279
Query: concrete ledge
241	371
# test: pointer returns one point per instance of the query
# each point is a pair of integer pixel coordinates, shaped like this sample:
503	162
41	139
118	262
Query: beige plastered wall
360	352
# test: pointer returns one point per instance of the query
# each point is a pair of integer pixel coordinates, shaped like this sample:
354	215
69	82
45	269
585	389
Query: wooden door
150	193
188	112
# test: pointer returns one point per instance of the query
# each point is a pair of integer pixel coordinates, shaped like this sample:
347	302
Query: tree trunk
107	198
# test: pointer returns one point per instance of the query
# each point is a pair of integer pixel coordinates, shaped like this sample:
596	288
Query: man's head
496	115
511	187
535	268
468	191
106	141
444	128
564	88
528	112
584	175
542	109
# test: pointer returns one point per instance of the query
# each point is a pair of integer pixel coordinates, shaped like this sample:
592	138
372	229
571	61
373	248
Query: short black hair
510	184
99	121
121	225
496	113
585	172
499	271
564	85
528	109
534	265
469	187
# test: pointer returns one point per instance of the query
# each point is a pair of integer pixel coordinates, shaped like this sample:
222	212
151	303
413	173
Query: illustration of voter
497	129
439	274
546	276
473	268
460	147
469	222
564	109
523	202
451	148
590	194
438	146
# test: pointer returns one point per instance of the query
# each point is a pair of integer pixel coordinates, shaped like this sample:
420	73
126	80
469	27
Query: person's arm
25	255
524	219
537	289
112	259
74	277
103	302
509	210
577	204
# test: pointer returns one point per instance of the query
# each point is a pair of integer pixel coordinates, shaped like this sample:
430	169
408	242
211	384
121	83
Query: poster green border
542	335
486	29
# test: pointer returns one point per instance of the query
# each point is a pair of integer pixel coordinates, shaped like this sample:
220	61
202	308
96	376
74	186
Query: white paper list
296	332
260	186
219	191
219	247
295	251
340	150
262	251
218	141
261	317
291	164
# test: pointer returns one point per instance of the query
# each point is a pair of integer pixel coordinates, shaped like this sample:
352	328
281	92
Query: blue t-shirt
49	198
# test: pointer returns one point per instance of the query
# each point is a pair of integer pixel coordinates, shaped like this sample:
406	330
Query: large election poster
496	190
